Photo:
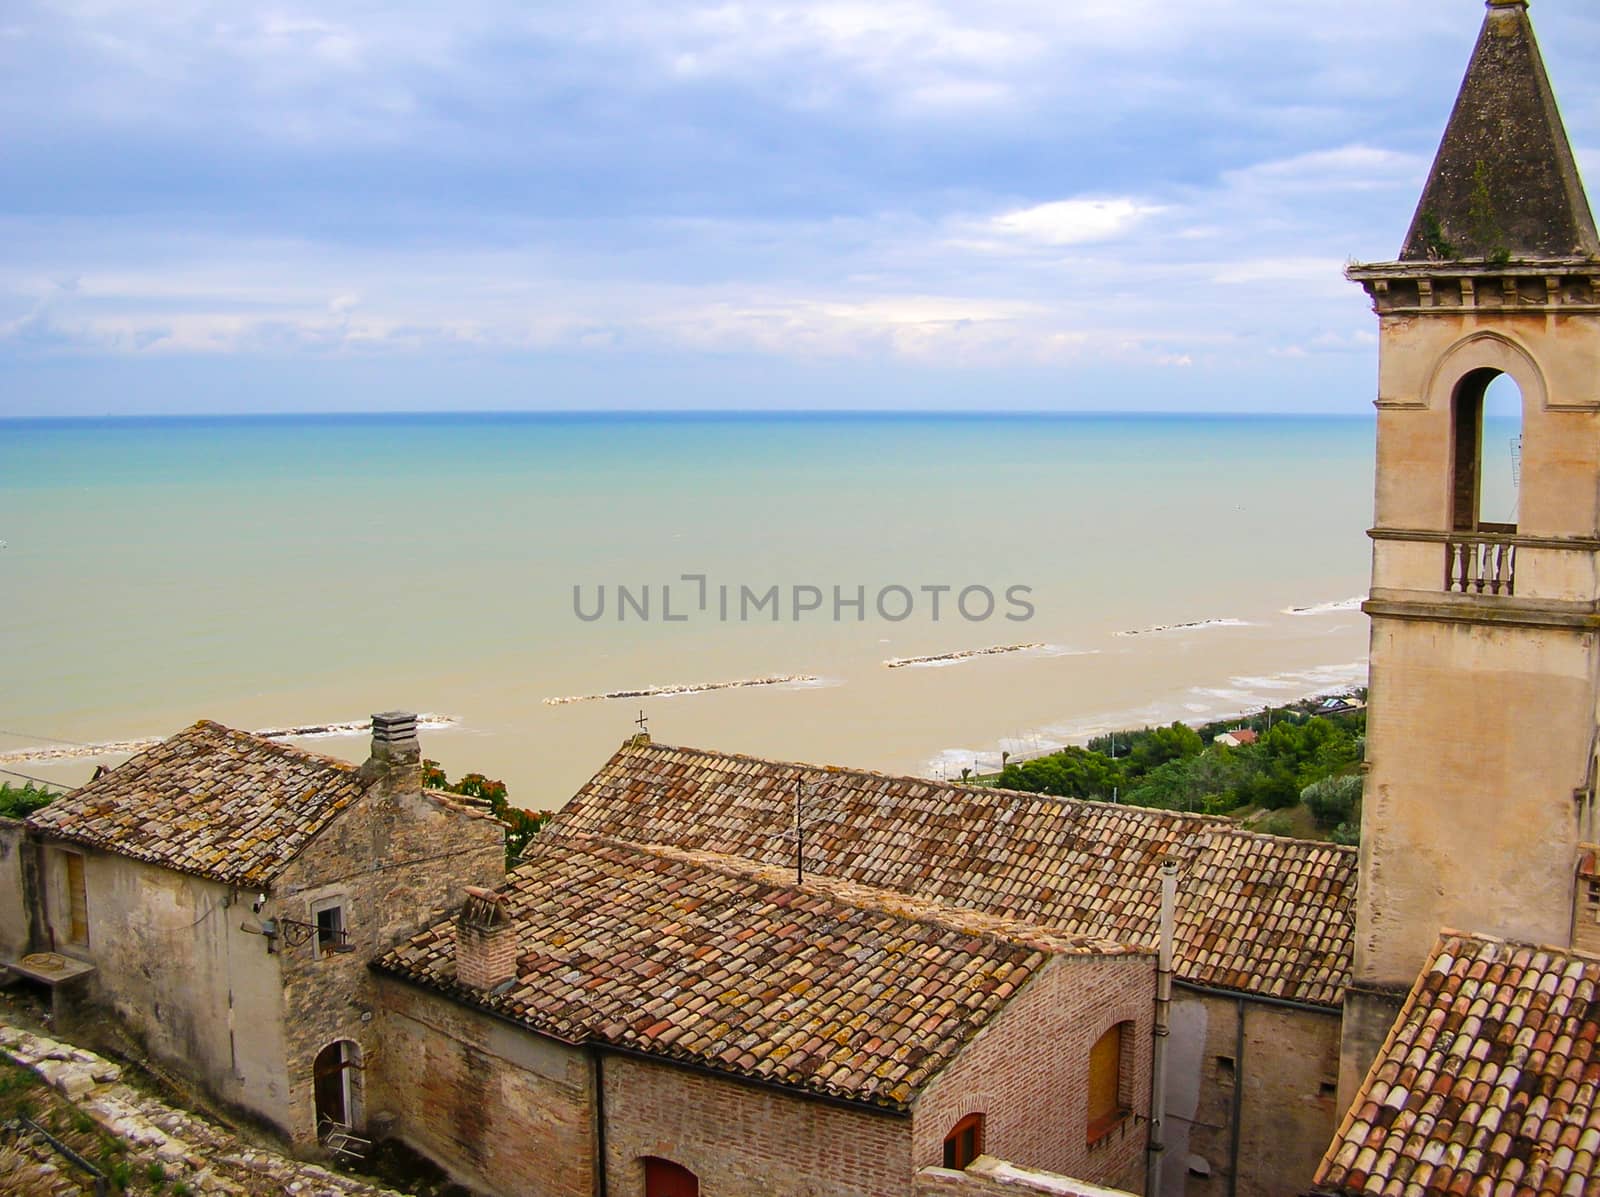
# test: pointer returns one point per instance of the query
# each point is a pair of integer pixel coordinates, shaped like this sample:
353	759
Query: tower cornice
1541	287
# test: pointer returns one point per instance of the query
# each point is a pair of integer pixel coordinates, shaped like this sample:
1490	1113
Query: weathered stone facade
501	1109
239	987
1269	1070
14	934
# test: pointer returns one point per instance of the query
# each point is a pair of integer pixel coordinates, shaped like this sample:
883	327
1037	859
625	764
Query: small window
1106	1108
964	1143
330	930
663	1178
1225	1069
77	900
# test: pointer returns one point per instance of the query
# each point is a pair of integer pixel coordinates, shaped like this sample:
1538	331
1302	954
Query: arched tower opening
1486	426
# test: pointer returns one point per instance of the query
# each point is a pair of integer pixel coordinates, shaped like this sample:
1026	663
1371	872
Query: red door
663	1178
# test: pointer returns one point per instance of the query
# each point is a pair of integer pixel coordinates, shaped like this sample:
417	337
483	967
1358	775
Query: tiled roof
210	800
826	986
1486	1083
1256	913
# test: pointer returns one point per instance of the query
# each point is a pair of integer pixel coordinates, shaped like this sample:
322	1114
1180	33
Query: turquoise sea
290	570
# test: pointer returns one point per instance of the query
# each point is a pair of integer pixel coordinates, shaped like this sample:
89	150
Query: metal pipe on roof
599	1073
1162	1030
1238	1104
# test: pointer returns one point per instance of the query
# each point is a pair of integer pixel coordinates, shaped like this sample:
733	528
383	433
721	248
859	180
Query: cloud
1151	183
1073	221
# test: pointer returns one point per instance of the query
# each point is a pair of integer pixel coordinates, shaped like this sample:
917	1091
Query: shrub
1332	799
18	802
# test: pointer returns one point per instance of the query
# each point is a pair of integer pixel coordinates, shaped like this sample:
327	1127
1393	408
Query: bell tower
1485	654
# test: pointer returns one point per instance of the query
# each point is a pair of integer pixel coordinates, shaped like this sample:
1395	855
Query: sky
894	204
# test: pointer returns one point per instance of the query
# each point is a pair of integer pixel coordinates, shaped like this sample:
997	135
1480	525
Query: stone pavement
200	1155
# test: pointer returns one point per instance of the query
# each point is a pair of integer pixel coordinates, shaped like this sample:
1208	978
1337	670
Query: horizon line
741	412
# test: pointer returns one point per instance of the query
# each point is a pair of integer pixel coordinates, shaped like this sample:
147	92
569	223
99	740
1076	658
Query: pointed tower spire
1505	185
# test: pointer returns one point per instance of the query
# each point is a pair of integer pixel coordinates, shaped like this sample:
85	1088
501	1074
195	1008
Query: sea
505	573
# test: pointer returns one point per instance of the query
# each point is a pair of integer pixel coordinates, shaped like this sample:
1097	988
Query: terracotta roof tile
831	987
1507	1033
210	801
1256	913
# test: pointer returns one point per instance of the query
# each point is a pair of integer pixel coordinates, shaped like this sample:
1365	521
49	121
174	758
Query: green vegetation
1300	757
1434	242
521	825
18	802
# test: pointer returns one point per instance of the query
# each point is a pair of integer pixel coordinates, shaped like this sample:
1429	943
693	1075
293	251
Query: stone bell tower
1485	665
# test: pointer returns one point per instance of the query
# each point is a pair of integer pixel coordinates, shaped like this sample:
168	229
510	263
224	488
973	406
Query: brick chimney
486	942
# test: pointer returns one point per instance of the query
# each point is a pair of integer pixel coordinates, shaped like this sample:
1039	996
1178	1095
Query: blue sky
1140	204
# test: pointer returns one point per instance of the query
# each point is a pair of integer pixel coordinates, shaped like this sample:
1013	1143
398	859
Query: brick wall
395	861
502	1110
740	1139
1027	1072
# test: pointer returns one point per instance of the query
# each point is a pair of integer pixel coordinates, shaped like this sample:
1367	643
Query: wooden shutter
77	899
964	1143
1105	1082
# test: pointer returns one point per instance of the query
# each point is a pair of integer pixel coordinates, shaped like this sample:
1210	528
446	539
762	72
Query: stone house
643	1021
226	892
1262	937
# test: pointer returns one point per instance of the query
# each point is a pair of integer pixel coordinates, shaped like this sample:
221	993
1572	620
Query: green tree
18	802
521	824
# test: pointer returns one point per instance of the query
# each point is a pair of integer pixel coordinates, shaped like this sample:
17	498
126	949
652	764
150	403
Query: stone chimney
486	942
396	754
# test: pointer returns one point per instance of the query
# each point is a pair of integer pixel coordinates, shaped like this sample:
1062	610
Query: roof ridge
1483	937
1198	821
927	912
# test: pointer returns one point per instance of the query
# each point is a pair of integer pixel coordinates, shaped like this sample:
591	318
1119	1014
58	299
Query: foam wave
1192	626
1349	604
803	679
308	731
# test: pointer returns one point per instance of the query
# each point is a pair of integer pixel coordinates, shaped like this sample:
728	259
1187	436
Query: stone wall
200	995
501	1109
744	1139
1027	1072
1282	1086
990	1177
13	893
394	862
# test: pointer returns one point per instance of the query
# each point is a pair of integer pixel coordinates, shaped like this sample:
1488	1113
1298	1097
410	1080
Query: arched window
663	1178
964	1143
1107	1092
1486	424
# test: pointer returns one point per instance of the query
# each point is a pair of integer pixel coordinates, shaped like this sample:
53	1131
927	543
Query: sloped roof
211	801
1255	913
1487	1082
828	987
1505	178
